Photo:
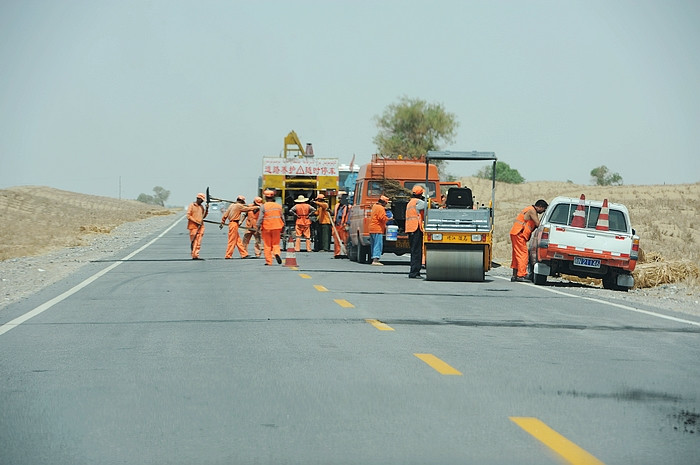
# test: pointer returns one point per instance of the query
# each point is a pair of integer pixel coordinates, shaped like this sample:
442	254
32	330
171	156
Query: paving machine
458	238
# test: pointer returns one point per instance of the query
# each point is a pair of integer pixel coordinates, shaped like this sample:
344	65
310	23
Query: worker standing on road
340	221
233	215
195	224
302	226
415	214
271	223
324	225
526	221
251	223
377	227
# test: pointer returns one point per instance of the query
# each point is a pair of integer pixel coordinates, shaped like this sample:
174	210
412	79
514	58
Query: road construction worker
302	226
251	223
324	225
196	213
526	221
340	223
271	222
233	215
377	228
415	215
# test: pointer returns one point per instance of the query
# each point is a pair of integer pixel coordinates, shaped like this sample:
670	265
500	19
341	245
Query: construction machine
298	172
458	238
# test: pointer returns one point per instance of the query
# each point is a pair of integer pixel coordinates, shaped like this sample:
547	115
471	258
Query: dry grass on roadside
39	219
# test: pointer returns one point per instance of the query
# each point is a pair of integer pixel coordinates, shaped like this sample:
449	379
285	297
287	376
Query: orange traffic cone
579	219
602	224
290	256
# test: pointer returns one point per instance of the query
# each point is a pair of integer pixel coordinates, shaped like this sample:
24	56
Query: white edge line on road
625	307
47	305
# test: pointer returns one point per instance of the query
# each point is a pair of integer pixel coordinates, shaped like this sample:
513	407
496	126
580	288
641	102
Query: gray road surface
165	360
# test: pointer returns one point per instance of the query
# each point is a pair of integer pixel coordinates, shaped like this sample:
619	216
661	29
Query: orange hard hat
383	198
240	198
257	200
418	189
320	196
201	196
269	193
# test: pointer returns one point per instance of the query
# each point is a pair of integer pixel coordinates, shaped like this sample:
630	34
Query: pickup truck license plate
588	262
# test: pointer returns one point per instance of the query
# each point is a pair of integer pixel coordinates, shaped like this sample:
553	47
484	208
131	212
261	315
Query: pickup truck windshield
564	212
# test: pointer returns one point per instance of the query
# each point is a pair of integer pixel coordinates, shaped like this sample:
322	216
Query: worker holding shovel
196	213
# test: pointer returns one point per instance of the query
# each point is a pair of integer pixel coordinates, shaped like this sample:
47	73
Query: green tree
159	198
504	173
412	127
602	176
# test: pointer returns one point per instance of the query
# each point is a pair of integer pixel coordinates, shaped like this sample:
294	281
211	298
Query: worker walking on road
195	224
323	239
415	214
251	223
271	222
526	221
377	227
233	215
302	226
340	221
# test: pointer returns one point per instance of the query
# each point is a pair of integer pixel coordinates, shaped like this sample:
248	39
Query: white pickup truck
609	253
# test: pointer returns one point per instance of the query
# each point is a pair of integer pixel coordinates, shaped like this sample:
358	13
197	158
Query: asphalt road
159	359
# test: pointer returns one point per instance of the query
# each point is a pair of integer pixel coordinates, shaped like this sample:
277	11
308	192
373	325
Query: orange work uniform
251	221
519	235
302	226
195	224
340	219
377	219
272	223
233	215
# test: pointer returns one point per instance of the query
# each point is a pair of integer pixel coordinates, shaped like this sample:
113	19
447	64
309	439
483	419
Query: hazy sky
190	94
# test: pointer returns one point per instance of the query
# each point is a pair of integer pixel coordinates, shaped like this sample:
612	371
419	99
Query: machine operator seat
459	197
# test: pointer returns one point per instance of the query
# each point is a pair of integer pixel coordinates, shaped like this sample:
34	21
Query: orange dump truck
394	178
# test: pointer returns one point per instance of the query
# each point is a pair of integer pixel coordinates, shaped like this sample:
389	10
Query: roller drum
454	265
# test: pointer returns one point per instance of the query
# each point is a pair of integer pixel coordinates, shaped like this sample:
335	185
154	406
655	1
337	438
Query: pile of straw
657	272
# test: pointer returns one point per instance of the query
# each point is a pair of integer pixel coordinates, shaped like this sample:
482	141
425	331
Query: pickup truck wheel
539	279
610	282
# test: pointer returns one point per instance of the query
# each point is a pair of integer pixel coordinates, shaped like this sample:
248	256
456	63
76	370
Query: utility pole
120	187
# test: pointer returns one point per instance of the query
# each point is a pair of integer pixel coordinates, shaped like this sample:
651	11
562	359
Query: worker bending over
251	223
233	215
526	221
271	223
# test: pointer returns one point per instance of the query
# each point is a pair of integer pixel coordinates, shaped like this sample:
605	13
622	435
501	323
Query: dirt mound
39	219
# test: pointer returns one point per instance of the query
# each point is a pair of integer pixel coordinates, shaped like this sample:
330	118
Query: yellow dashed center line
438	365
344	303
305	276
379	325
320	288
569	451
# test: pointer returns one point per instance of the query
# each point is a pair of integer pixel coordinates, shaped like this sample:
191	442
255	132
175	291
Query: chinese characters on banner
301	166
